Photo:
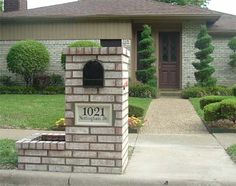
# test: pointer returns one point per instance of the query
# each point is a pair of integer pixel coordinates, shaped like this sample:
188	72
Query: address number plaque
93	114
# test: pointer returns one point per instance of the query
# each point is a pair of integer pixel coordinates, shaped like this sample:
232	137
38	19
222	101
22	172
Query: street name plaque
93	114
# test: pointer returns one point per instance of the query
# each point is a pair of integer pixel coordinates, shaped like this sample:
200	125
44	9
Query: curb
30	178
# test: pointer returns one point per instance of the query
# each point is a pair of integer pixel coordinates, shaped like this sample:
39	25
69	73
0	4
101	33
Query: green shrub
31	90
225	109
219	91
234	90
147	57
54	90
41	81
232	46
210	99
79	44
56	80
194	92
142	91
136	111
228	109
204	72
28	58
212	112
6	81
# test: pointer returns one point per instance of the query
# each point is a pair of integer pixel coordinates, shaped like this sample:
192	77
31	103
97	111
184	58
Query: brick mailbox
96	137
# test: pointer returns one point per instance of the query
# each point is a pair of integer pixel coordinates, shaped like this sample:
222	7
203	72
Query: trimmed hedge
136	111
210	99
225	109
212	112
228	109
142	91
31	90
79	44
194	92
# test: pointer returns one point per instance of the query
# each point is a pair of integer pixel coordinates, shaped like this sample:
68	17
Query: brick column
95	148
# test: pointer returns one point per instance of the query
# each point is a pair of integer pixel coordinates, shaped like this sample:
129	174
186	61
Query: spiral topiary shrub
232	46
28	58
204	72
79	44
147	57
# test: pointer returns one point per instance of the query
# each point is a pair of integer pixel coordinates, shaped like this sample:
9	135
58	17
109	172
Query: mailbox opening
93	74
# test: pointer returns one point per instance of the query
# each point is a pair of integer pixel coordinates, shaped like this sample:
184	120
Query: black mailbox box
93	74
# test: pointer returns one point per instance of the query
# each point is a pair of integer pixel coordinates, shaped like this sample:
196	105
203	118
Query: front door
169	62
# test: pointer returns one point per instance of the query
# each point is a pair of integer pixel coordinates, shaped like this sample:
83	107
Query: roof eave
211	18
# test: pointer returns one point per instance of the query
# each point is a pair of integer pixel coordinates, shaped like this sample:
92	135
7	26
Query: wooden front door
169	62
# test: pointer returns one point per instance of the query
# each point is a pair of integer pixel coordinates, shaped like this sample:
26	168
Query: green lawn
39	111
232	152
8	156
196	104
140	102
30	111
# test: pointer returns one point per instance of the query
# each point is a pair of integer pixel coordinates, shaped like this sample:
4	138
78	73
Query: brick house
119	22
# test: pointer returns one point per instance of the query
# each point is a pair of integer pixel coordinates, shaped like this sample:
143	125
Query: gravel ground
169	115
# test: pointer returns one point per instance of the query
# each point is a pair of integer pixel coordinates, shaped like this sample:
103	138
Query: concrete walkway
168	115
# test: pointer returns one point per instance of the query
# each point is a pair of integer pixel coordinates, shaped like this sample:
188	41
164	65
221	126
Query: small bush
6	81
212	112
31	90
232	46
210	99
54	90
28	58
56	80
142	91
79	44
234	90
136	111
225	109
228	109
194	92
41	81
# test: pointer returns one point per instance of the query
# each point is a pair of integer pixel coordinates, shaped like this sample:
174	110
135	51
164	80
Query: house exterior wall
66	30
225	74
54	47
188	37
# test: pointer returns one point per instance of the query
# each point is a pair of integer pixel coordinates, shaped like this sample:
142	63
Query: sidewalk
178	160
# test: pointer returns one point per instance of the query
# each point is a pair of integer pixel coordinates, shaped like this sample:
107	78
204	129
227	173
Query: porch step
170	93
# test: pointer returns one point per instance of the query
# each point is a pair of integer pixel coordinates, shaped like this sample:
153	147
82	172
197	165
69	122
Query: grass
196	104
140	102
40	111
232	152
8	156
30	111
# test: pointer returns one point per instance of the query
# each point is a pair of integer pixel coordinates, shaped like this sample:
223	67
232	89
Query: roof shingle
103	8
